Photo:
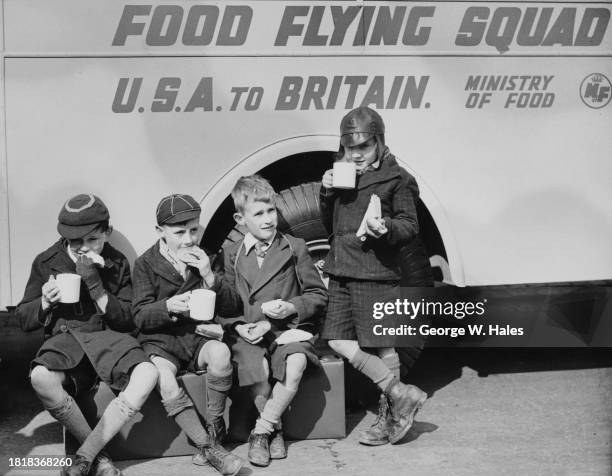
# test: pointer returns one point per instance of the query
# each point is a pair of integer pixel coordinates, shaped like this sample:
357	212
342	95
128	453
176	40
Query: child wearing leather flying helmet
366	269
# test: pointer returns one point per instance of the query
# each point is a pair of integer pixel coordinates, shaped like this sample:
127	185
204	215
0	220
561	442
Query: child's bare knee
342	347
218	352
166	383
146	374
217	356
44	380
296	364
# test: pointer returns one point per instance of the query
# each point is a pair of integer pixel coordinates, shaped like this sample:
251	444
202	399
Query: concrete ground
490	412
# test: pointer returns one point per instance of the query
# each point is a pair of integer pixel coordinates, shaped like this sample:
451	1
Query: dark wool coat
75	330
287	273
343	210
156	280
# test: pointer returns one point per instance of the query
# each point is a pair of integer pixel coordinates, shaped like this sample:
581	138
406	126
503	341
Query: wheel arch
217	208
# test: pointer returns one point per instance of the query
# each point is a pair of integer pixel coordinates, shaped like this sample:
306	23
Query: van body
501	110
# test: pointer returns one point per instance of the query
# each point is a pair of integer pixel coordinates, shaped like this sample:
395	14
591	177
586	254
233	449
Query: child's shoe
378	433
217	431
405	401
277	445
259	449
199	457
79	467
103	466
222	460
216	435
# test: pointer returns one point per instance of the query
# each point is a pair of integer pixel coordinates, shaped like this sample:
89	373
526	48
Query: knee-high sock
69	414
117	414
373	368
260	404
392	362
217	387
273	410
185	416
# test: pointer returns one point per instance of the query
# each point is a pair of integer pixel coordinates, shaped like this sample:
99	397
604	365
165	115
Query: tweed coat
287	273
75	330
342	212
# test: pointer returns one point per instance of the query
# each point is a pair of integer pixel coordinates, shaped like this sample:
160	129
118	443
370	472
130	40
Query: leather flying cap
177	208
359	125
81	215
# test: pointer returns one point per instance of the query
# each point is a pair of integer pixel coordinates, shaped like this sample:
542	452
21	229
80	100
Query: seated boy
81	345
271	280
163	278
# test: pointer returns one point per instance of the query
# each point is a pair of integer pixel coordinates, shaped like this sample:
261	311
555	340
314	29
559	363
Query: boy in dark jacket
272	283
82	343
164	276
364	269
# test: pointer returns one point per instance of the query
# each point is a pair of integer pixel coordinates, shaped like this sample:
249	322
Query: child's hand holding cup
50	293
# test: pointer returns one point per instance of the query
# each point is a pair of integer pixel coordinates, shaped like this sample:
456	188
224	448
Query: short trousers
349	310
182	350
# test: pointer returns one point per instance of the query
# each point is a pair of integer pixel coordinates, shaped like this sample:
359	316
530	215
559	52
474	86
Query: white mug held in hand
202	304
344	175
70	287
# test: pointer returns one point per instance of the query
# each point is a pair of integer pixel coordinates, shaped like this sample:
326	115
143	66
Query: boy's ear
239	218
159	230
109	231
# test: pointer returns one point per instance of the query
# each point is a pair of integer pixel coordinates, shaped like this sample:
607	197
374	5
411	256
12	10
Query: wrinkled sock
185	416
69	414
392	362
274	409
372	367
117	414
217	387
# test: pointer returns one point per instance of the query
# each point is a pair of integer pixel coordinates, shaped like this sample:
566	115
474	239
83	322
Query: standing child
81	345
364	269
164	276
272	282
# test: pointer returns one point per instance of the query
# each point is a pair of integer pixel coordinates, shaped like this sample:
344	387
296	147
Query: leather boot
103	466
277	445
222	460
217	431
405	401
79	467
378	433
259	449
216	435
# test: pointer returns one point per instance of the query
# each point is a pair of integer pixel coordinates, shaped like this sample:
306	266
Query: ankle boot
405	401
103	466
378	433
222	460
277	445
79	467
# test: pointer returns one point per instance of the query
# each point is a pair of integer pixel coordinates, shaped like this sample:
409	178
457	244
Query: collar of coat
112	257
162	267
283	251
388	170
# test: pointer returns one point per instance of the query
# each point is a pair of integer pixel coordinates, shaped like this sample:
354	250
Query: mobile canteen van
501	110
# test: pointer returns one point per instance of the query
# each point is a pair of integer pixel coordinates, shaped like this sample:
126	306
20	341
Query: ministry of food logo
596	90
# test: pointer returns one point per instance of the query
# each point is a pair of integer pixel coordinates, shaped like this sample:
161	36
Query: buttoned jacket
287	273
342	212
